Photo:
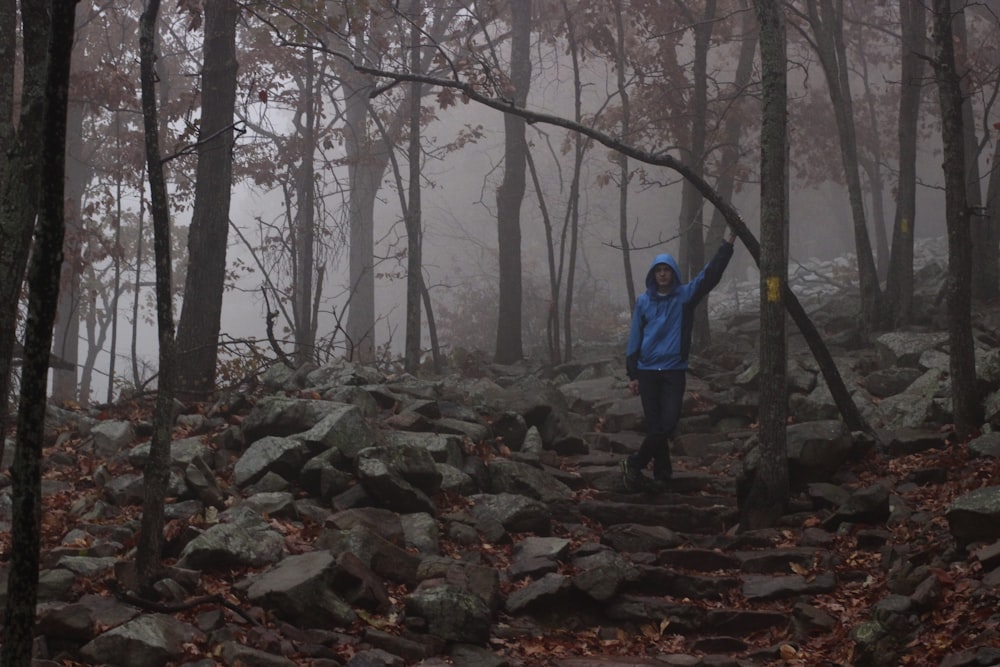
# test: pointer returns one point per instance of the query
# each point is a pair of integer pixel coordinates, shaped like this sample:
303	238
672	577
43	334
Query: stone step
691	619
709	516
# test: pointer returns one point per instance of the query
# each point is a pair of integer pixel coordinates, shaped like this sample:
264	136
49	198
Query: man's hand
633	386
730	236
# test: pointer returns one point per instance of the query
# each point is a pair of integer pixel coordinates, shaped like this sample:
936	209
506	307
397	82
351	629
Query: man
656	358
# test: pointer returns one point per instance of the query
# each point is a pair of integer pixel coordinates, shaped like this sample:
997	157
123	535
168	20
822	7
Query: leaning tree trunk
841	396
26	473
959	282
156	473
765	499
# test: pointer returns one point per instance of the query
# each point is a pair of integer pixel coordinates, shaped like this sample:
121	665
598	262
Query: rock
302	589
149	640
975	516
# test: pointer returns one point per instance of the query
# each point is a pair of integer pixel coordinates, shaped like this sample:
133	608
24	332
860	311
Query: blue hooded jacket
660	337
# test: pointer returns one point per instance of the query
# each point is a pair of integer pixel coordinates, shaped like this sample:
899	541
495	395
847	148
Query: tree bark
306	288
731	152
157	471
985	269
692	254
958	286
623	167
573	203
510	194
66	333
827	27
432	328
366	164
899	283
26	473
19	186
8	67
872	166
767	495
414	233
201	312
553	339
993	194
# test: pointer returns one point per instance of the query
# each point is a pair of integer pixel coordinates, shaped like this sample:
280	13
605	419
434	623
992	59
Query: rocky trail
340	516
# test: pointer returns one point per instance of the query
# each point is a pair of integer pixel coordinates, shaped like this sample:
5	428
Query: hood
663	258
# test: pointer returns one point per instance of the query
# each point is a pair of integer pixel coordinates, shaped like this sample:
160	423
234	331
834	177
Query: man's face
664	276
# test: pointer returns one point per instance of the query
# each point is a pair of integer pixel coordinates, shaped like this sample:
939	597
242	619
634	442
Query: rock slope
339	516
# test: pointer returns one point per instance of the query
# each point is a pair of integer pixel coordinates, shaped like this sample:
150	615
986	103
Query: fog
460	228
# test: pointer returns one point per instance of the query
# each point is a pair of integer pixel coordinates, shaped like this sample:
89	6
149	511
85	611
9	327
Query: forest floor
966	617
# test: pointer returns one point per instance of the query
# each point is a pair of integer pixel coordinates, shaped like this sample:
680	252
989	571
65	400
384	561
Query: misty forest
195	192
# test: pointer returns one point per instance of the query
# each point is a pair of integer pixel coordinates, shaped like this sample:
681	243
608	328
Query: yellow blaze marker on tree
773	289
904	225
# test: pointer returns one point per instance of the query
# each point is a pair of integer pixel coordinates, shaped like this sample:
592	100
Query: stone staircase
727	598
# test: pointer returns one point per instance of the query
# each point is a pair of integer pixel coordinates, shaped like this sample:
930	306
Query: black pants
662	395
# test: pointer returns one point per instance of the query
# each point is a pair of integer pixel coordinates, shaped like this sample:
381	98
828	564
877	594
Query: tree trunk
364	176
573	203
731	153
993	194
432	328
117	281
623	167
367	161
134	343
511	191
26	473
8	67
66	333
414	233
201	313
157	471
827	25
553	340
899	284
98	322
985	271
872	166
305	288
767	495
19	186
959	281
692	204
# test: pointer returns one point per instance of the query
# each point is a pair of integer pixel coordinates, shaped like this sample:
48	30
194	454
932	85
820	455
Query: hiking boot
632	477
